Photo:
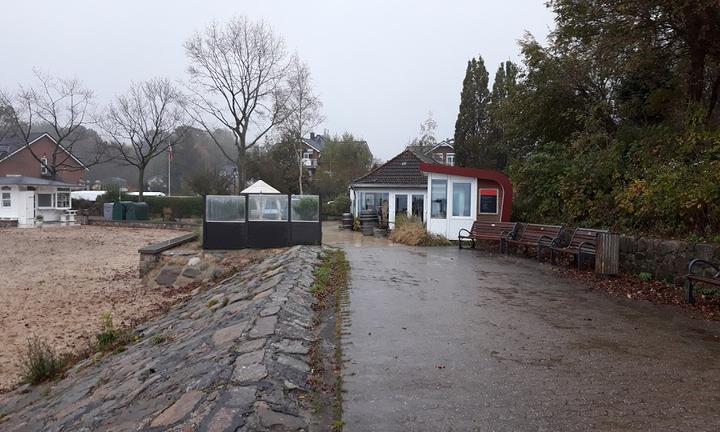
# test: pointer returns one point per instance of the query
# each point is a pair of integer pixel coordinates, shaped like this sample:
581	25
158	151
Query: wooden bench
486	231
582	242
693	278
535	235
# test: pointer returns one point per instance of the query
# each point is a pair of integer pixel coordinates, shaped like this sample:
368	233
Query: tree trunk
241	163
141	184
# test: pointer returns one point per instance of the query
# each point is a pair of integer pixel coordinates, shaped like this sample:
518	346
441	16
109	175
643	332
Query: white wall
12	211
451	225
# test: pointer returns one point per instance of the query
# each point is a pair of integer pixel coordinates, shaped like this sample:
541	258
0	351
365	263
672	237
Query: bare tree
303	111
59	106
239	80
144	123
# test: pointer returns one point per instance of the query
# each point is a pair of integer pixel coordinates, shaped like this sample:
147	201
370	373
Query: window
461	199
6	197
44	166
438	199
418	207
62	199
401	205
307	154
450	159
45	200
488	201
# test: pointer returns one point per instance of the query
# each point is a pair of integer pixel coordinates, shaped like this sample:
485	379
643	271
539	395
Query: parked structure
446	198
27	191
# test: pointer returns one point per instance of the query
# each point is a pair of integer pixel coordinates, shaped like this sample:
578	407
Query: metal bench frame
542	241
691	279
469	234
585	247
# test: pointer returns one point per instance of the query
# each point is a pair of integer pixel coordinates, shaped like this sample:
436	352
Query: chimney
312	136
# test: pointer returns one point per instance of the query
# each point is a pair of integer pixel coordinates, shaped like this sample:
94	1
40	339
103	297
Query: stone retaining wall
664	259
233	358
180	226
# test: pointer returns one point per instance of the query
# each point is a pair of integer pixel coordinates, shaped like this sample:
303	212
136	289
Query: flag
170	152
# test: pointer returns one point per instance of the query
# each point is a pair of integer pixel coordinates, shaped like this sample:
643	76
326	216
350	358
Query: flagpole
169	159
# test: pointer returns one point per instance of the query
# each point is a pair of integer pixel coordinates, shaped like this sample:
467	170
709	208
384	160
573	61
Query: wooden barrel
607	256
347	221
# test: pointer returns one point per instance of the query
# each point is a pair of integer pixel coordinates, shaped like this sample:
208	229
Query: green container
118	212
137	211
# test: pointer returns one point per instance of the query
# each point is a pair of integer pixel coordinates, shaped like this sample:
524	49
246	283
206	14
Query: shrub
182	207
645	277
339	205
40	362
412	232
305	208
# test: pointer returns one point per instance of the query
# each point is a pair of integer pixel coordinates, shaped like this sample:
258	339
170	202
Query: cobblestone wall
663	259
234	358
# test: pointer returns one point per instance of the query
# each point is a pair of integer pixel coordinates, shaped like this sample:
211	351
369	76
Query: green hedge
182	207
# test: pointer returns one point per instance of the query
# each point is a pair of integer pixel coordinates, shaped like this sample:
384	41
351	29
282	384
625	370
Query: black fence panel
224	235
305	233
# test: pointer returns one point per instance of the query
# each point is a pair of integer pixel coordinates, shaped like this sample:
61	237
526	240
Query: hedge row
182	207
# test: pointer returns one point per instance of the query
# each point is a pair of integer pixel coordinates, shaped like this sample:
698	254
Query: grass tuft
40	362
412	232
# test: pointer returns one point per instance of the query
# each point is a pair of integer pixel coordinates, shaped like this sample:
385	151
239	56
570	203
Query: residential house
446	198
26	187
442	152
311	151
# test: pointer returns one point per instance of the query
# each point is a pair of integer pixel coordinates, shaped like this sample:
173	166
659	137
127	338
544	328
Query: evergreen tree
473	118
495	147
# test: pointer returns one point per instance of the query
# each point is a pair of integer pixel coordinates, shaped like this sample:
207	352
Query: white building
446	198
24	199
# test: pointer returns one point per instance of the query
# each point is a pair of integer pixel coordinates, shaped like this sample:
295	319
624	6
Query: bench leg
689	297
579	260
459	243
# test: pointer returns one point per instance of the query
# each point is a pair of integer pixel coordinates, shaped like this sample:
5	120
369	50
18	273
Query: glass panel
6	201
225	208
305	208
63	199
438	199
268	207
401	205
44	200
461	199
488	201
418	206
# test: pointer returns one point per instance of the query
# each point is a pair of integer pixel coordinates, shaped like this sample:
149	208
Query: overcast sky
379	66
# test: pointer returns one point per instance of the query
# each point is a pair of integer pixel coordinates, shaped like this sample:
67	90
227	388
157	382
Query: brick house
26	187
312	149
442	153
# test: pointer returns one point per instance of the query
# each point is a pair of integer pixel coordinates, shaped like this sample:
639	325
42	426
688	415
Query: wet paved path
448	340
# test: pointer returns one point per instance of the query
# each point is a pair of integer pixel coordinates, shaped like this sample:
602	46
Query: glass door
401	205
418	206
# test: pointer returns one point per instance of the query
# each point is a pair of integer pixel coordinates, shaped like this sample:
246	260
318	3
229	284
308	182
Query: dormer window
44	166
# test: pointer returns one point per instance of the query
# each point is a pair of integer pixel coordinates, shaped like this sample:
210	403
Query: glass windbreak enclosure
269	208
305	208
225	208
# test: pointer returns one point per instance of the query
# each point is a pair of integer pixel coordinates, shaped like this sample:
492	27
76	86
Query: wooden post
607	256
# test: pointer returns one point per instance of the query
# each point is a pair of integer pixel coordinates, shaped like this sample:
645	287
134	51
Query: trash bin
108	211
137	211
119	210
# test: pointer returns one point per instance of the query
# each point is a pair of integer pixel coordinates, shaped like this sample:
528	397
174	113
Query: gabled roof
317	142
260	187
16	143
402	170
448	142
